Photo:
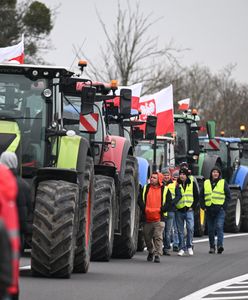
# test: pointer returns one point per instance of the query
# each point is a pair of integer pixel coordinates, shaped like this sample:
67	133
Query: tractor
115	212
187	149
57	163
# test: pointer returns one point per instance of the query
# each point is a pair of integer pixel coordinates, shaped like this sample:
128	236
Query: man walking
171	207
185	211
152	202
214	198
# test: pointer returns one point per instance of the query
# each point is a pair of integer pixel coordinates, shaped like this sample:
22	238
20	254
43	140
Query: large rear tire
84	233
53	238
125	244
244	222
233	213
103	219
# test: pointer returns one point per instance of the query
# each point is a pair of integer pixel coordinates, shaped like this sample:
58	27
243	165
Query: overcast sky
215	31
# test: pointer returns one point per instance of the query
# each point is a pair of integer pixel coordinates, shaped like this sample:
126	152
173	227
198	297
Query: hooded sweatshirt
214	208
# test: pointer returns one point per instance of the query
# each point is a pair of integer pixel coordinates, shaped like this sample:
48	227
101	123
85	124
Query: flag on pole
184	104
160	105
136	91
13	53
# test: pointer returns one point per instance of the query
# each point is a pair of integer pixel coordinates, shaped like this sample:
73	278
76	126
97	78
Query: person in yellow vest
214	197
176	196
185	211
152	202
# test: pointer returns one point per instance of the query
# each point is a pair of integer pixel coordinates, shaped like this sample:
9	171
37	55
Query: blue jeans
175	238
181	218
168	230
216	225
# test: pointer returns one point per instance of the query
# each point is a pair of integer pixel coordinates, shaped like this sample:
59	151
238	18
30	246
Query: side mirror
89	123
125	102
211	129
151	124
87	99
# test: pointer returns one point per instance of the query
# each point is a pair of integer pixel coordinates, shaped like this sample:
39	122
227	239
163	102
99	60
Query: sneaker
181	252
167	253
150	257
220	249
212	251
175	249
190	251
157	259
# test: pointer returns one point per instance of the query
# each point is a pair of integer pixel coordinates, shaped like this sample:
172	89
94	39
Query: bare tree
131	54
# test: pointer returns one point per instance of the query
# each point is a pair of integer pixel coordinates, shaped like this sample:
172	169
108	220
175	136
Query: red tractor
115	211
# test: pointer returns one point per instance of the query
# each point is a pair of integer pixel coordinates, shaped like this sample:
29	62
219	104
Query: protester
185	211
175	238
5	261
9	215
152	202
23	200
214	198
171	207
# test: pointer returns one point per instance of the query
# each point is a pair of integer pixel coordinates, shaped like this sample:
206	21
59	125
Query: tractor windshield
181	142
23	109
244	154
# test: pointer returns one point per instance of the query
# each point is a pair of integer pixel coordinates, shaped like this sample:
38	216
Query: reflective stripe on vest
163	196
216	195
187	195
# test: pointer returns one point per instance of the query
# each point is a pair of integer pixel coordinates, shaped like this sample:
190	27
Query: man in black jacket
214	198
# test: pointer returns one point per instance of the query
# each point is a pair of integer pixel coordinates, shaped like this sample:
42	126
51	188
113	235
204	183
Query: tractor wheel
199	222
244	223
233	212
103	219
84	233
125	244
54	230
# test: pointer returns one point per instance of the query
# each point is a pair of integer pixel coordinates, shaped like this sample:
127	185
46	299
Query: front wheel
233	213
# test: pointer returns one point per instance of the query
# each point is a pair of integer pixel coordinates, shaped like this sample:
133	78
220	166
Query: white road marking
25	268
212	290
225	237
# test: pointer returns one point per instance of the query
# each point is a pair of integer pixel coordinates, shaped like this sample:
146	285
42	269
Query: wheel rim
238	212
202	216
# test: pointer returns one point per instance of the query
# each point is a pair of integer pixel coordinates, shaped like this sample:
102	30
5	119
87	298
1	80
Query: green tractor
57	163
187	149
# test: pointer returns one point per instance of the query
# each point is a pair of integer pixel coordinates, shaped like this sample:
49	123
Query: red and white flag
184	104
13	53
160	105
136	91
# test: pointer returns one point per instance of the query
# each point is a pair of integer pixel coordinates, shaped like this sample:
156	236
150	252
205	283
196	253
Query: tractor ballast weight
58	166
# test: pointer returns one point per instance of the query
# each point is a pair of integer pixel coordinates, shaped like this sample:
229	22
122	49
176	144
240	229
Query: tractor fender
241	177
117	155
144	170
209	162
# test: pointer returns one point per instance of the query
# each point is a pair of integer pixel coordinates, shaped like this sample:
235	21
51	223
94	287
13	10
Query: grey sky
214	30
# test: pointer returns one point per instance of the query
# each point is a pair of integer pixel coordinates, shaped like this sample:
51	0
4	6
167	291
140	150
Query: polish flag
13	53
184	104
160	105
136	91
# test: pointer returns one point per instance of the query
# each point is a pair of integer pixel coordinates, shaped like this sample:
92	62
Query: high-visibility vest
172	188
163	198
215	195
187	195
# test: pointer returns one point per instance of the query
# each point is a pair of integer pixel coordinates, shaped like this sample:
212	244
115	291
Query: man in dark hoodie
171	208
152	202
214	198
185	210
23	200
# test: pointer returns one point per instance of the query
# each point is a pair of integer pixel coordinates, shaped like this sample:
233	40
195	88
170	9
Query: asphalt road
137	279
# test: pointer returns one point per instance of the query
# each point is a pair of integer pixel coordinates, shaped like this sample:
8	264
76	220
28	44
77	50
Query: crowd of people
168	203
